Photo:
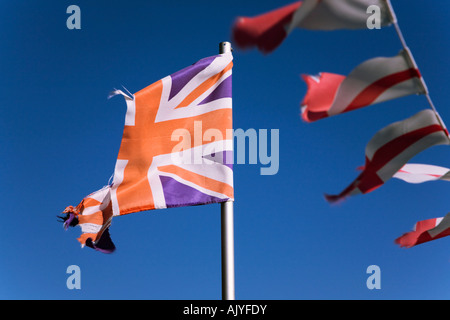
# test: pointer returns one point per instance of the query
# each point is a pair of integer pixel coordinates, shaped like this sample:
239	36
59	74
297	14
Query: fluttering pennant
267	31
419	173
391	148
374	81
424	231
176	147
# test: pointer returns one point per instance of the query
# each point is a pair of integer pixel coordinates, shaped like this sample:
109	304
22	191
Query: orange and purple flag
93	215
177	143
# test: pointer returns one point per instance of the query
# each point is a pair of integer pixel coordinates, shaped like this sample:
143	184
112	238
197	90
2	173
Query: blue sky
60	137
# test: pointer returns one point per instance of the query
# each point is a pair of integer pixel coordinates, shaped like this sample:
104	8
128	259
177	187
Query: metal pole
227	222
227	231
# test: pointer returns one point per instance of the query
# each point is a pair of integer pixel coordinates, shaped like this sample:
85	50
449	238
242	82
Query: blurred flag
93	215
418	173
374	81
424	231
267	31
175	151
391	148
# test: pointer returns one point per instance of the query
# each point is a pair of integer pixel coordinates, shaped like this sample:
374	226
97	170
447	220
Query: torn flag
418	173
424	231
154	170
93	215
176	150
391	148
267	31
374	81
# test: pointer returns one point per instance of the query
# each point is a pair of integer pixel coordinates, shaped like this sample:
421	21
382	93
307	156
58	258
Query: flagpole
227	222
227	231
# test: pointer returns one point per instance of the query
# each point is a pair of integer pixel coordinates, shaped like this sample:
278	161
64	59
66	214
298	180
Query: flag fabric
176	150
374	81
267	31
338	14
157	166
419	173
93	215
424	231
391	148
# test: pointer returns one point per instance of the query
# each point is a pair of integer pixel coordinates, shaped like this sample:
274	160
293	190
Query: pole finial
225	47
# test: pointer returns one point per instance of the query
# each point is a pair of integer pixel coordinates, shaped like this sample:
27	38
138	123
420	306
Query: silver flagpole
227	231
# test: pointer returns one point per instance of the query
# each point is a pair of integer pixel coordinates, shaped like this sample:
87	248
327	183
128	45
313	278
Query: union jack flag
152	170
147	175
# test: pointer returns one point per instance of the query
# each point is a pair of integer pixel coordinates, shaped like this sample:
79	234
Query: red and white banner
424	231
374	81
391	148
267	31
338	14
419	173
